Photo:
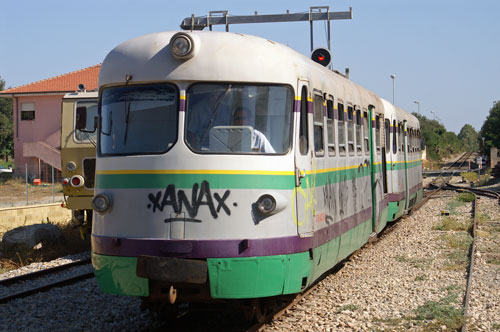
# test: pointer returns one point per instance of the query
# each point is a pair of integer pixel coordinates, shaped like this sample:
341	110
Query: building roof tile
63	83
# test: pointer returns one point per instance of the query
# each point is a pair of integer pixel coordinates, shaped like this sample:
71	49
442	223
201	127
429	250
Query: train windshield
239	118
138	119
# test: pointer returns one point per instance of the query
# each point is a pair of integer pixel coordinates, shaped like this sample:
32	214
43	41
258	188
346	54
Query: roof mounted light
183	46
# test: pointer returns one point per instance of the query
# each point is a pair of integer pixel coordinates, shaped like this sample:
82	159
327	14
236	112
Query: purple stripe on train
224	248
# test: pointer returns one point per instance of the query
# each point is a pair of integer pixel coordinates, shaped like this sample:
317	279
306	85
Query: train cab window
358	131
350	129
239	118
387	129
377	133
303	129
366	131
394	137
319	148
138	119
330	127
90	114
341	126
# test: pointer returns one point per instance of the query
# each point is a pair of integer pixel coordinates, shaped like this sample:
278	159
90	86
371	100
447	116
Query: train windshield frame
239	118
138	119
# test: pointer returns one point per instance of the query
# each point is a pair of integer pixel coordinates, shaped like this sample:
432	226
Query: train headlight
266	204
101	203
183	46
71	166
77	181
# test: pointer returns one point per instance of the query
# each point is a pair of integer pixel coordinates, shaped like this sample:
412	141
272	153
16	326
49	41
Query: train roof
148	58
225	57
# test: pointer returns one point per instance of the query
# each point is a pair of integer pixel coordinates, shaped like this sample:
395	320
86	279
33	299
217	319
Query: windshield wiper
126	124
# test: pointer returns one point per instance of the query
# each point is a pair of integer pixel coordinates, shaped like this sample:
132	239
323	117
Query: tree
469	137
491	128
6	126
439	142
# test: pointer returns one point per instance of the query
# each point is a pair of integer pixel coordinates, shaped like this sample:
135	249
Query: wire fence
30	184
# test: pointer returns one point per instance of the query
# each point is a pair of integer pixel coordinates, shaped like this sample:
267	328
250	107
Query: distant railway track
44	286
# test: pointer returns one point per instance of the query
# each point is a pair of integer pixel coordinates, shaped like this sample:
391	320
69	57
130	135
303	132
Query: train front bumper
215	278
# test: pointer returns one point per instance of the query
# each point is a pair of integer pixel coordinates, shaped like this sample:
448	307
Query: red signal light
321	56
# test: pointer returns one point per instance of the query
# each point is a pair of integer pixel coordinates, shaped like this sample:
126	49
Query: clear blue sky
444	53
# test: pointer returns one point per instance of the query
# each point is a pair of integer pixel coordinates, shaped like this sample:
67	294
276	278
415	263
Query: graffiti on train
200	195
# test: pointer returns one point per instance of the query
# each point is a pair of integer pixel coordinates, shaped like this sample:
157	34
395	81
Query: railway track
41	287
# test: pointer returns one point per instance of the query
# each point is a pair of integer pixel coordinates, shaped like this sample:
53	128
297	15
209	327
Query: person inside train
241	117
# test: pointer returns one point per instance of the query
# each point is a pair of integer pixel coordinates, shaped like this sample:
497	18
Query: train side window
330	127
341	131
394	137
350	129
377	133
358	131
412	140
408	139
303	129
319	148
366	132
400	137
387	128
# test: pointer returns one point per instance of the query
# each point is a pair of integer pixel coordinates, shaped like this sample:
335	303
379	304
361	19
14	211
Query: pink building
37	120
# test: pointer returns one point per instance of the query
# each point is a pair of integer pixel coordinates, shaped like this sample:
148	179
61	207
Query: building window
27	111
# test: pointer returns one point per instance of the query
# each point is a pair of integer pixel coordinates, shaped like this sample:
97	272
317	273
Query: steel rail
61	282
471	264
44	272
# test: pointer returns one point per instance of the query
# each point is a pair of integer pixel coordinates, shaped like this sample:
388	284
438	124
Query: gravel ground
484	307
404	281
411	271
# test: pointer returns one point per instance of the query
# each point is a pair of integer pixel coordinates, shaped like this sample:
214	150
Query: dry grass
14	190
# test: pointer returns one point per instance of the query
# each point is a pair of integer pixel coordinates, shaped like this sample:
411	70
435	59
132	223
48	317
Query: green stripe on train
225	181
242	277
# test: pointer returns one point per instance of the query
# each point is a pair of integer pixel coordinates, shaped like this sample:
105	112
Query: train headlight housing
101	203
183	46
77	181
70	166
266	204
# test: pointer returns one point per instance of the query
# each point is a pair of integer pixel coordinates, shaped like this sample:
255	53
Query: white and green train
231	167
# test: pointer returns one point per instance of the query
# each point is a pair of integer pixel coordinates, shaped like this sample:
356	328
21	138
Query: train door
396	189
377	155
405	153
303	192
